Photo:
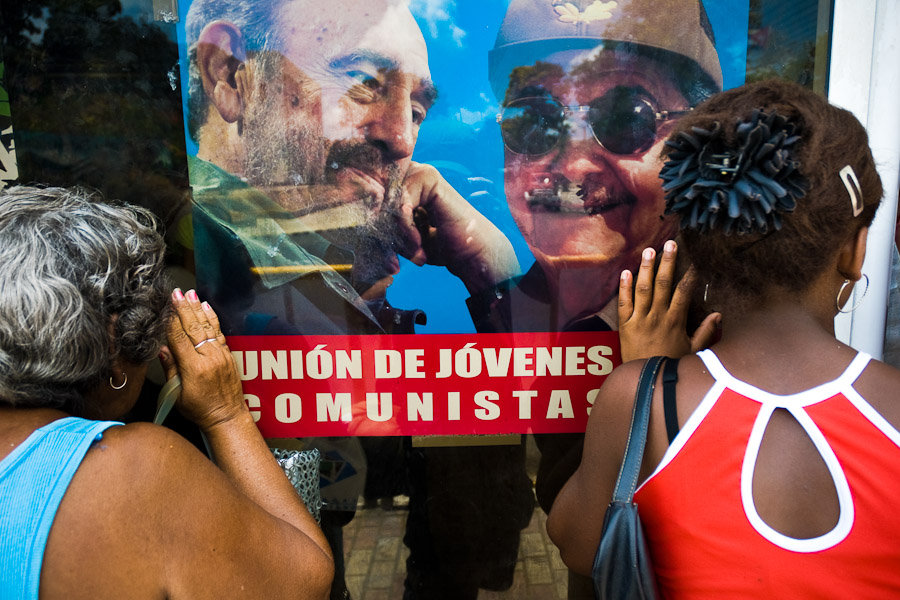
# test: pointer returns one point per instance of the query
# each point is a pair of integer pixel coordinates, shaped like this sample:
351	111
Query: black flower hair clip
746	187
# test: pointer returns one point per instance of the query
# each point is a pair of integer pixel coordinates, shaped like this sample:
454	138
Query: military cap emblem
596	11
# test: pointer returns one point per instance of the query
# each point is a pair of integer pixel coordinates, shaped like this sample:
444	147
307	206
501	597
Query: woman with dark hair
92	508
777	474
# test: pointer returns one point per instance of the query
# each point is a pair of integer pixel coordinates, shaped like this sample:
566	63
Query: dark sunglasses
624	121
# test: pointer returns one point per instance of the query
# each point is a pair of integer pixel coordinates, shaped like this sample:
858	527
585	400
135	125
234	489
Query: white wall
864	77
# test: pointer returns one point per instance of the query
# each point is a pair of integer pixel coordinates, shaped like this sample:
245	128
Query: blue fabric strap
33	480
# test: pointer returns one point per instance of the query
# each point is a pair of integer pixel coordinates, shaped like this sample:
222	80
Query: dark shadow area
95	101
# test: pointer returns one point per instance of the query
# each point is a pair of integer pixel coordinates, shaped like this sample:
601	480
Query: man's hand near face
441	228
351	187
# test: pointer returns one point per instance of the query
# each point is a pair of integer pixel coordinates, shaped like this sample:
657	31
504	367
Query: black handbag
622	568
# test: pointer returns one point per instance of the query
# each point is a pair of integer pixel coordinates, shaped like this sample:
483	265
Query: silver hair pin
848	176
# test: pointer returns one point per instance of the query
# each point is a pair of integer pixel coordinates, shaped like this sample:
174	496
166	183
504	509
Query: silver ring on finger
197	346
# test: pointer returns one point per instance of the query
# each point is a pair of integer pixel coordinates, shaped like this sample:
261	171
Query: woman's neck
778	318
16	423
764	343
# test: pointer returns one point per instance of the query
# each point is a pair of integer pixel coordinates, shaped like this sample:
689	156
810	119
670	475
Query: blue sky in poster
461	138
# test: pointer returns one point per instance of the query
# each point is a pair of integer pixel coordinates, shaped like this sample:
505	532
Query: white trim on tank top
795	404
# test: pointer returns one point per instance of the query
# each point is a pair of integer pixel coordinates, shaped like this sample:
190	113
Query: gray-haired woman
96	509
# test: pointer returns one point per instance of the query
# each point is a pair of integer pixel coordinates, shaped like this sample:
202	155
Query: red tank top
708	541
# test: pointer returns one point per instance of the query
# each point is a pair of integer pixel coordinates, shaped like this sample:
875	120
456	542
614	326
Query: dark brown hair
746	266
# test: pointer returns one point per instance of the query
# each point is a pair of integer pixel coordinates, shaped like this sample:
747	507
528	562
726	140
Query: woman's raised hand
653	318
211	388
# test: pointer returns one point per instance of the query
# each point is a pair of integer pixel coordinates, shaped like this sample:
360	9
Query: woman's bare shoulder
141	505
878	385
143	438
621	383
112	523
145	454
146	469
610	417
141	468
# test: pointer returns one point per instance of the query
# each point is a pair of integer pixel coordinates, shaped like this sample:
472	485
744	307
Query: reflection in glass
790	40
623	120
94	101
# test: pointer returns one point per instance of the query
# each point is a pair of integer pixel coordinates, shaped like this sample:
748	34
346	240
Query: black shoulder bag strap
622	569
670	378
637	437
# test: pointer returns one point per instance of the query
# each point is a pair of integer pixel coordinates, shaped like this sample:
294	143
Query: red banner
454	384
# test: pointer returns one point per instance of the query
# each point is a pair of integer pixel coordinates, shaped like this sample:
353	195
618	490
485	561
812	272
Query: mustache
380	233
355	154
599	193
596	193
367	158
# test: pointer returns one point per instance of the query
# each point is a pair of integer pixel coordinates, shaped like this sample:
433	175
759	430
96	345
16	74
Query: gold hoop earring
124	382
847	282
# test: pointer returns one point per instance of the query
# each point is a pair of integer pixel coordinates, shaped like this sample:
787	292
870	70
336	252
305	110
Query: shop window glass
430	478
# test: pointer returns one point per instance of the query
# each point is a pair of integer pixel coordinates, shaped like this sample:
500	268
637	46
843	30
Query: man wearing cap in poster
588	90
306	116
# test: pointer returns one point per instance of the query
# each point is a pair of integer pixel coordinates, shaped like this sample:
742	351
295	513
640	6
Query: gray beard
374	245
304	157
276	158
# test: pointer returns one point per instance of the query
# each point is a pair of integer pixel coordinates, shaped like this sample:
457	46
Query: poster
432	179
9	170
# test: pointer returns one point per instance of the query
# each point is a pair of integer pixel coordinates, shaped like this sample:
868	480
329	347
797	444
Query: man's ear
220	59
852	255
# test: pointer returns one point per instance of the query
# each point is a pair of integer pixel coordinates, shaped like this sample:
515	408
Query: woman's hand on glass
653	317
211	388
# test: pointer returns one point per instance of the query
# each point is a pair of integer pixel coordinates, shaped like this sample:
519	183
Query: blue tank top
33	479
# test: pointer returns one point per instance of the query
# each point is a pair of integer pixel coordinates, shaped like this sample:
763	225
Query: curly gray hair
73	270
